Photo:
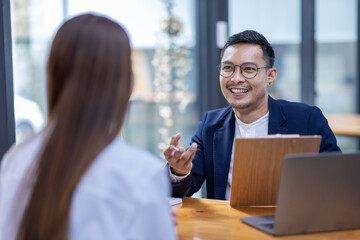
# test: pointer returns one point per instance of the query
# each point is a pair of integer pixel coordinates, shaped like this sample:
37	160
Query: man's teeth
234	90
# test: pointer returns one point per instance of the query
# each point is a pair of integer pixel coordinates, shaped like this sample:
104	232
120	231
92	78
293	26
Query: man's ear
271	76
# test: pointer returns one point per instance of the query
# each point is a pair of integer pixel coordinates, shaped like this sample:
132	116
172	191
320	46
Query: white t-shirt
122	196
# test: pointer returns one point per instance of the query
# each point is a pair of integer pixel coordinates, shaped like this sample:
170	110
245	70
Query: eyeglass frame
241	71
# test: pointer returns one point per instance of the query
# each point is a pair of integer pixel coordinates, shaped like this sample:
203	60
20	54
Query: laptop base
263	223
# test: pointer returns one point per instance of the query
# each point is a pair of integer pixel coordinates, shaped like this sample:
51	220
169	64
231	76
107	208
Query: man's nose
237	76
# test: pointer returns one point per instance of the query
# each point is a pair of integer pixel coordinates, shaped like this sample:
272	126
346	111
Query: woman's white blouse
122	196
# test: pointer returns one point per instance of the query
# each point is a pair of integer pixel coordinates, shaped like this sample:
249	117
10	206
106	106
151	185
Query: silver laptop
317	193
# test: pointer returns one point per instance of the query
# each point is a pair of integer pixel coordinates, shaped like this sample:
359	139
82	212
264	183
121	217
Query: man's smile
237	90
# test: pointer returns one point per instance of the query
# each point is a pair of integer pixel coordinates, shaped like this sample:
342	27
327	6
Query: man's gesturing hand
179	160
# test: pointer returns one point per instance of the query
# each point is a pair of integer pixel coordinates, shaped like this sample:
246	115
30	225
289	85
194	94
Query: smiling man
246	71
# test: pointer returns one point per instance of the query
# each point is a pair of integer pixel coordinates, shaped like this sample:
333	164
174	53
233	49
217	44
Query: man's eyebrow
241	63
249	63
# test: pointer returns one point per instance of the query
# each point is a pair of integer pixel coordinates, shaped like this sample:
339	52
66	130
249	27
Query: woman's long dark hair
89	82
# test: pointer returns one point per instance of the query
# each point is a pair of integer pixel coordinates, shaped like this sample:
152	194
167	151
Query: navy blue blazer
215	136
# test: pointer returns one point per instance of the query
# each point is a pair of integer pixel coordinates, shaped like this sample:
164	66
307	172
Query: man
246	71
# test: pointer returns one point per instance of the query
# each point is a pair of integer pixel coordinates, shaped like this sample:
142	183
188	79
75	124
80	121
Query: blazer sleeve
182	188
319	124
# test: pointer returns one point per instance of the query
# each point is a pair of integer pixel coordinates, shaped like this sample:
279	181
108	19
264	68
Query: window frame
7	118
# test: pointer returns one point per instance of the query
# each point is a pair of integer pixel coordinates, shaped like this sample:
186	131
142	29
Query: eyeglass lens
248	70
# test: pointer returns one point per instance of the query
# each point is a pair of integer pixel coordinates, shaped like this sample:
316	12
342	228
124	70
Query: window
279	22
336	60
35	21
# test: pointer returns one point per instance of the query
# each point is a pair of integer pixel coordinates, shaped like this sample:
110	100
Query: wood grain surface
207	219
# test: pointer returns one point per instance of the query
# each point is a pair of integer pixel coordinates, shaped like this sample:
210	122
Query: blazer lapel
276	118
222	146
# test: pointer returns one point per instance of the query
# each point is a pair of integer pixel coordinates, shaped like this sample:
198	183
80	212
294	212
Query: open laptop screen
317	193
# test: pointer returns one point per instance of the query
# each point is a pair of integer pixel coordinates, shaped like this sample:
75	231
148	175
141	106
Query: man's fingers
189	154
192	150
175	139
177	152
173	154
179	159
168	151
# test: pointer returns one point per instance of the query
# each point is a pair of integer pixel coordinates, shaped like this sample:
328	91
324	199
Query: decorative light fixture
172	62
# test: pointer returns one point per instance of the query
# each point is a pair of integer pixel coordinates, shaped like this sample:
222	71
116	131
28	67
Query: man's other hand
180	161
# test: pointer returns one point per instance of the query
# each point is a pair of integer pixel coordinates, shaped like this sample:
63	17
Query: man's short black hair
252	37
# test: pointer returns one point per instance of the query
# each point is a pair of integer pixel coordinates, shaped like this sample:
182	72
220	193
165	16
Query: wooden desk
344	124
214	219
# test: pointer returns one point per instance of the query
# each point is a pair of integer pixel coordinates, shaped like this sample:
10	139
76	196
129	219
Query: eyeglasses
248	70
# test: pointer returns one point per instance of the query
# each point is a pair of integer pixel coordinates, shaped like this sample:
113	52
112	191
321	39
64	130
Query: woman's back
78	181
123	195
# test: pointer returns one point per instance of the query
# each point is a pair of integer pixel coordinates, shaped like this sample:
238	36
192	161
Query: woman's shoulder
123	166
17	159
119	152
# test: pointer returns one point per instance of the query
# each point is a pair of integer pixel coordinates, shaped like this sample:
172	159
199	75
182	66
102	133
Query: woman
76	179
